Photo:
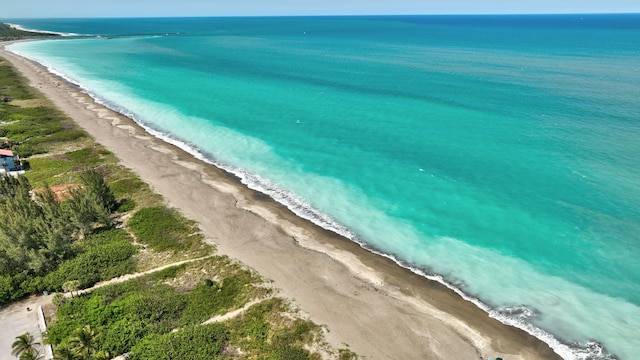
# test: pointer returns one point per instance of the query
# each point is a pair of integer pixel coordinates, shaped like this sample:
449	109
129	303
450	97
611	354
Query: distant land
8	32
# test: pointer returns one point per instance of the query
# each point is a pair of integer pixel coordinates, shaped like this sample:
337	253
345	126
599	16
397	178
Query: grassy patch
63	168
37	128
165	229
130	189
127	186
264	330
12	85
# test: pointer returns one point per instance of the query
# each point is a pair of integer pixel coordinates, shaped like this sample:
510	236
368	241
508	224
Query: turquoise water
496	154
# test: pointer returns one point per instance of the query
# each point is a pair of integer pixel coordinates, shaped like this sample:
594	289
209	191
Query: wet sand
379	309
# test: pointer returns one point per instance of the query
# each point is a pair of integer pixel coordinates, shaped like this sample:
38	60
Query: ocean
496	154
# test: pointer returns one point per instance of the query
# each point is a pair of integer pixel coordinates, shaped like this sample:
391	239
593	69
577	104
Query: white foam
514	316
517	317
50	68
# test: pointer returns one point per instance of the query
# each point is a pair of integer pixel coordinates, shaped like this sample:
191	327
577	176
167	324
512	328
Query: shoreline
379	308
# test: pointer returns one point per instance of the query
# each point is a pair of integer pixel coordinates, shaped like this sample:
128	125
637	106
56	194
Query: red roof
4	152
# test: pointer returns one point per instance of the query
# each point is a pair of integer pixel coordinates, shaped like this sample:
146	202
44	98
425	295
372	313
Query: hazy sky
128	8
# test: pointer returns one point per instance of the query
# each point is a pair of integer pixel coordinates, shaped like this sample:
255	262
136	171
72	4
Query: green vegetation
30	226
105	256
83	342
264	331
65	168
92	203
32	130
195	342
9	33
130	188
43	242
164	229
12	86
24	347
153	318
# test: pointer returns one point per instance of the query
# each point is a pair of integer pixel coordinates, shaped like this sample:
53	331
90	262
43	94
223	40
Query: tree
53	227
94	182
71	286
93	203
102	355
24	343
9	185
37	233
57	300
35	236
83	342
31	355
64	353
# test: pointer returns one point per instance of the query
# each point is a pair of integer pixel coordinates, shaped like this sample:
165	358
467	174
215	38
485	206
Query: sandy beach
379	309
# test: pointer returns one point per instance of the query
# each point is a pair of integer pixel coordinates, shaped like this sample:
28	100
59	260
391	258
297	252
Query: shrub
58	300
125	205
13	86
63	136
289	352
108	255
126	186
29	149
202	304
164	229
193	343
86	155
120	336
6	289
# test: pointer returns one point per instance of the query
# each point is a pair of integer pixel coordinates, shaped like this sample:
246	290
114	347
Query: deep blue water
497	152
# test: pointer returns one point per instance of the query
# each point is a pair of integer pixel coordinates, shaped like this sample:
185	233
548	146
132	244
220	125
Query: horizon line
317	15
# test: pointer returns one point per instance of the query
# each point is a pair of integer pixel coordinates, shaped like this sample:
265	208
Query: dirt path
234	313
126	277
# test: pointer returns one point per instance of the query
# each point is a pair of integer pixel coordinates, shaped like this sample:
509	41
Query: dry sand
366	301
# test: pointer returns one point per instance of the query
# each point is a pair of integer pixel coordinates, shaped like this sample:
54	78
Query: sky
162	8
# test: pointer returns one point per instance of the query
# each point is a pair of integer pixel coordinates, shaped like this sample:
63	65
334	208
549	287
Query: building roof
4	152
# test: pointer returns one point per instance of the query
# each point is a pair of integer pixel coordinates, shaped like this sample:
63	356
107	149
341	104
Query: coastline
367	301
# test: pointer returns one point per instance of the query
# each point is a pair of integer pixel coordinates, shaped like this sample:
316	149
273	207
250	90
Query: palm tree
102	355
64	353
24	343
30	354
71	286
83	342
